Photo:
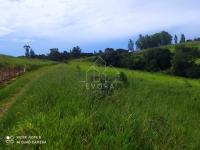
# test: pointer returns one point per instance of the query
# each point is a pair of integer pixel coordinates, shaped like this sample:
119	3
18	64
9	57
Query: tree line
158	39
144	54
143	42
184	61
55	55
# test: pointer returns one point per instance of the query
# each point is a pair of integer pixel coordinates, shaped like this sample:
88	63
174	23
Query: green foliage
54	54
114	57
175	39
182	40
32	53
184	62
123	79
155	40
131	45
76	52
134	61
157	59
27	50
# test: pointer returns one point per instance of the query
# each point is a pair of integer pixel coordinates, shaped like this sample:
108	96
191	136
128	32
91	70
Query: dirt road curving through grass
26	80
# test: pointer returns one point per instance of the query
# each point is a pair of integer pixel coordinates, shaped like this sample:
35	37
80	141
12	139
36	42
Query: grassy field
7	88
155	111
30	64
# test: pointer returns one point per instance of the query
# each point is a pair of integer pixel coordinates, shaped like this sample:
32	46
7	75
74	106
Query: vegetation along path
154	111
24	81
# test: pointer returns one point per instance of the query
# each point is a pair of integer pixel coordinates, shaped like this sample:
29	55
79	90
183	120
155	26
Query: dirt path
8	104
5	107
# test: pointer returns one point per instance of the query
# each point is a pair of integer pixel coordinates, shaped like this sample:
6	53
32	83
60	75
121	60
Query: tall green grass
154	112
30	64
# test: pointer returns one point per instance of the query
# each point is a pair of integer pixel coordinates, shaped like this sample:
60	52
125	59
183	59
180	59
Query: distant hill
172	47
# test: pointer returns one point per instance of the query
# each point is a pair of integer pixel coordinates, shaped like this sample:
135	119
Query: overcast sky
91	24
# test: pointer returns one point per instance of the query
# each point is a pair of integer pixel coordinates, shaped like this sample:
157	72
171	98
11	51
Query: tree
115	57
32	53
100	53
165	38
109	56
134	61
55	54
76	52
182	38
157	59
197	39
27	50
65	55
175	39
131	45
139	42
184	62
155	40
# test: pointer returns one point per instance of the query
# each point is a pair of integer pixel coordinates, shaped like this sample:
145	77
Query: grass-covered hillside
173	46
8	61
189	44
12	86
154	111
178	60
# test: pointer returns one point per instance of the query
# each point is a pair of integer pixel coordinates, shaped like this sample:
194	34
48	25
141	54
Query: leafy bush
184	62
134	61
157	59
115	57
155	40
123	79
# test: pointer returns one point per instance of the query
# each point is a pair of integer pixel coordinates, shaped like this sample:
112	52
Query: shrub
122	81
184	62
157	59
134	61
123	78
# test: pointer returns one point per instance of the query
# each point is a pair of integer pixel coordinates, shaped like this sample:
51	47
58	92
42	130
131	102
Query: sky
92	24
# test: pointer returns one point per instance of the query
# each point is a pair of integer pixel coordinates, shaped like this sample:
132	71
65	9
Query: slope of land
7	89
154	112
10	90
173	46
190	44
9	93
30	64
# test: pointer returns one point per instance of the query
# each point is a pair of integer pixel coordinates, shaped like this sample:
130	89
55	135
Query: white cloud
5	30
86	20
